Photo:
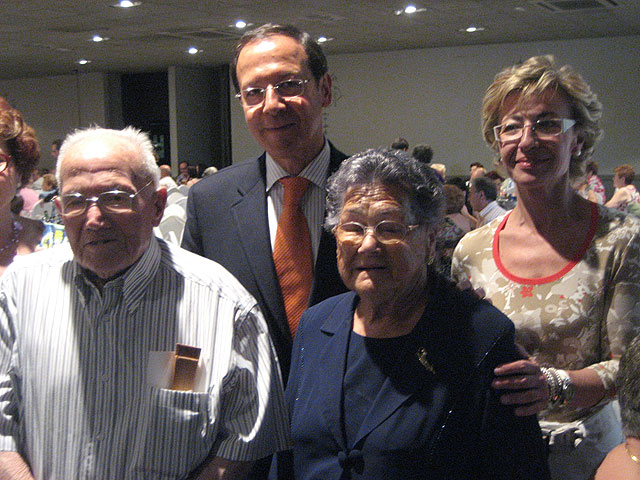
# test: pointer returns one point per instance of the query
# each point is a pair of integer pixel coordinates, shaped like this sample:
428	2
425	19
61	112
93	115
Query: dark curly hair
21	140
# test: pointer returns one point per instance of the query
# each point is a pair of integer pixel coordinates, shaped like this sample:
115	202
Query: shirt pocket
176	435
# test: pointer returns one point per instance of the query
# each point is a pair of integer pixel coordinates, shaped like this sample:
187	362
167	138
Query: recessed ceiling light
409	10
240	24
472	29
193	50
126	4
99	38
83	61
324	39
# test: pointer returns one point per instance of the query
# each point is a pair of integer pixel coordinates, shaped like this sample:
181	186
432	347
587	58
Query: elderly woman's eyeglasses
114	201
387	232
544	129
253	96
4	161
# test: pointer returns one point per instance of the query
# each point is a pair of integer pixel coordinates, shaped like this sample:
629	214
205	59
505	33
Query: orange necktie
292	251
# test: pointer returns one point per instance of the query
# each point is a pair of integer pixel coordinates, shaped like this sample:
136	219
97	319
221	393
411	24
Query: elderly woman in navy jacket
393	379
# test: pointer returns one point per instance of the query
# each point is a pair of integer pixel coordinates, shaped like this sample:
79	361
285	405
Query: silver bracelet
561	388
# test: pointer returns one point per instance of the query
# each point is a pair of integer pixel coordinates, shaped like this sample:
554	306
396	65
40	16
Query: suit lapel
336	330
249	211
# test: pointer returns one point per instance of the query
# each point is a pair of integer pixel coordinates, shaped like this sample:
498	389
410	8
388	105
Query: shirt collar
315	172
133	283
490	206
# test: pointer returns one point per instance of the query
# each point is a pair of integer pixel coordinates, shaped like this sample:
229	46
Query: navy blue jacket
435	417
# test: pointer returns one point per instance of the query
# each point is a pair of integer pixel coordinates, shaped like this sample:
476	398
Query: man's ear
325	86
159	201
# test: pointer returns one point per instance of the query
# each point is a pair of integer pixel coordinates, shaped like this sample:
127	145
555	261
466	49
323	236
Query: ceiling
45	37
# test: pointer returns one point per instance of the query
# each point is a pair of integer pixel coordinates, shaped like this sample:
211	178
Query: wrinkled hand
525	384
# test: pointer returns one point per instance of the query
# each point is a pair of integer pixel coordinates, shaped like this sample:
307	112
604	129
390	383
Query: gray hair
628	382
137	139
392	168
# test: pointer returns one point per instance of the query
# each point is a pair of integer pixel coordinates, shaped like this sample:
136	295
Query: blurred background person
209	171
194	176
422	153
441	170
400	144
594	184
392	380
166	180
19	154
566	271
476	169
454	225
626	198
483	194
183	176
623	462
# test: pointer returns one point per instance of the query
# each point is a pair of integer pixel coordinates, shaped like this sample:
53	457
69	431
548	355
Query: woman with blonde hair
565	270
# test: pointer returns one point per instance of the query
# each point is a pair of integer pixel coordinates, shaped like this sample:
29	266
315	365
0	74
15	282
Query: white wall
433	96
54	106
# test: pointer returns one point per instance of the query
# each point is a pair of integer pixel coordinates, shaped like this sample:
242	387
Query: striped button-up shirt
76	398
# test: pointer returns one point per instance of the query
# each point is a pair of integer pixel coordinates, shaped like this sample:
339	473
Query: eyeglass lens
115	201
544	128
289	88
385	231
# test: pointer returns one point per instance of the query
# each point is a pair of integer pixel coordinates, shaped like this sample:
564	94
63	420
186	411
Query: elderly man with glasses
122	356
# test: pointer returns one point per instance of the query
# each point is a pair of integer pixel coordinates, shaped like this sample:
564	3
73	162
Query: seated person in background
209	171
49	187
476	169
32	229
89	333
623	462
166	180
183	176
482	196
594	184
194	177
422	153
452	228
393	379
626	198
441	170
400	144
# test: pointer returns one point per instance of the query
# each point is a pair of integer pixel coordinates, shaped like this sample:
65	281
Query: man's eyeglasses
114	201
544	129
4	161
387	232
253	96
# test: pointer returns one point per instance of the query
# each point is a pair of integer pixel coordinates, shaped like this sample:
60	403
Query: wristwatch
568	389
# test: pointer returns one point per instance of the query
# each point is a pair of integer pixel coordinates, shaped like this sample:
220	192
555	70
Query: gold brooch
422	358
